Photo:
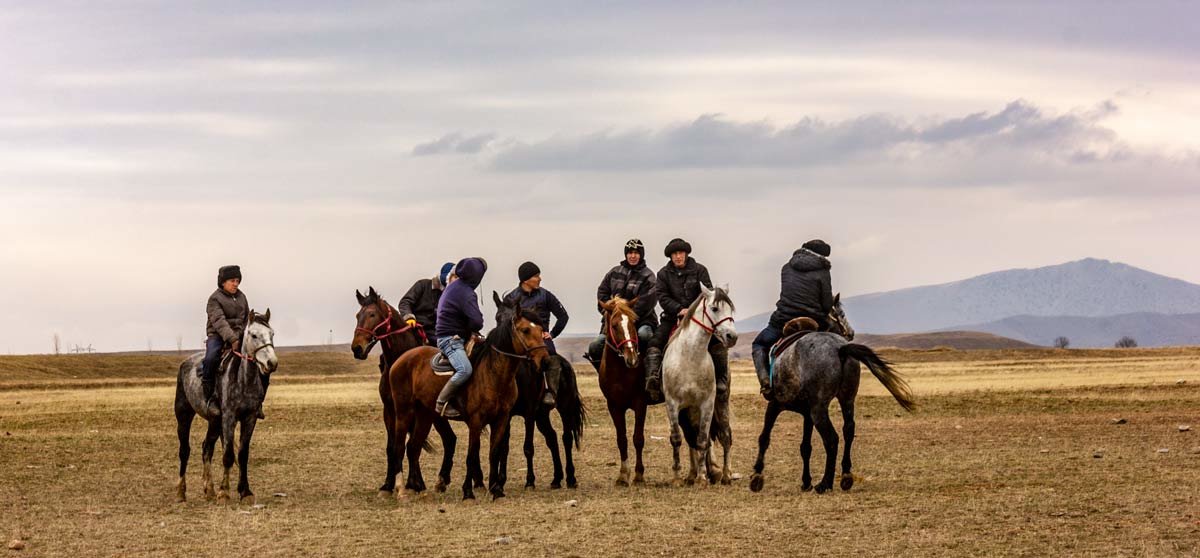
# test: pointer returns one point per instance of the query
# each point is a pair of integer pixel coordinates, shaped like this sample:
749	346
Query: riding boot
654	375
447	403
761	369
593	360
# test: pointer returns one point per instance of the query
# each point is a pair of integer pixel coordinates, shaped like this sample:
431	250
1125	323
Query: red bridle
711	327
388	331
616	347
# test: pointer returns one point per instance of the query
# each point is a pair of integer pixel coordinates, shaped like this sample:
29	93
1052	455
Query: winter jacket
420	303
678	288
806	289
629	282
544	303
227	315
458	310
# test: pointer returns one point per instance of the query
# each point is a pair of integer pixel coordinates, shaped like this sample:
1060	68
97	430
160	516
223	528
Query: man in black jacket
806	290
419	304
678	286
629	279
530	295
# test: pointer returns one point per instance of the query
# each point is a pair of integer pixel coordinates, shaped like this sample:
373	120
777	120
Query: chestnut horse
489	396
379	322
623	382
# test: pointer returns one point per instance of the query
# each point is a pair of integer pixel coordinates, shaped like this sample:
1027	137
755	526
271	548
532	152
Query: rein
616	347
528	350
388	331
712	326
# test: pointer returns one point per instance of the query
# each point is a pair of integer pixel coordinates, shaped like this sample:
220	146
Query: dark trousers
212	356
766	338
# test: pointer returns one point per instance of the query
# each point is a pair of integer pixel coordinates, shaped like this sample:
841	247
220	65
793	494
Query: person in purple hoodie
459	317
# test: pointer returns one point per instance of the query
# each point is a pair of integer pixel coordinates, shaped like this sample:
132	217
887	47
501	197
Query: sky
327	149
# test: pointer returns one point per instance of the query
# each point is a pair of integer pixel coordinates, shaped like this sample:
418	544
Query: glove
236	345
411	323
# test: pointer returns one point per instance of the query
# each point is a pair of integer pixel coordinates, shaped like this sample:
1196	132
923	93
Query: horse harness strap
388	332
610	335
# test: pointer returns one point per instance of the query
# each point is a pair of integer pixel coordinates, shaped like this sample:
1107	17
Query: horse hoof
756	483
847	482
247	500
639	480
806	487
823	488
180	498
384	494
468	496
726	480
223	497
530	486
622	482
572	484
555	485
690	482
440	487
497	496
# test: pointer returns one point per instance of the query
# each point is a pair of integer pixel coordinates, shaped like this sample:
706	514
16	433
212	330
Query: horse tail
688	425
429	446
570	403
882	370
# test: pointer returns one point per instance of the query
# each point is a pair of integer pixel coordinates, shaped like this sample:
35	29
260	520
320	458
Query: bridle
528	350
610	334
711	326
375	335
253	356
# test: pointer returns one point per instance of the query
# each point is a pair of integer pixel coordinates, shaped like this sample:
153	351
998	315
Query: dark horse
489	396
623	382
378	322
807	375
530	385
240	391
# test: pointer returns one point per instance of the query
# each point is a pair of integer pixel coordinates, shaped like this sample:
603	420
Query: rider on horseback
419	305
458	318
630	279
227	312
806	291
531	296
678	286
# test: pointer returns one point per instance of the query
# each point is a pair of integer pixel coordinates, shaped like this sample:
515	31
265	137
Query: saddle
793	331
441	365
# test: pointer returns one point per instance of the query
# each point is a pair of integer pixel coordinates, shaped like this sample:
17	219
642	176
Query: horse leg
806	452
401	438
829	437
498	458
244	493
639	442
848	434
416	442
618	418
704	442
449	441
723	432
207	449
676	438
184	414
472	461
764	442
394	463
547	429
227	429
529	476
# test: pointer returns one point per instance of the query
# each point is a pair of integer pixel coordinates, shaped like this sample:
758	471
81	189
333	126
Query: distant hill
1087	288
1147	328
961	340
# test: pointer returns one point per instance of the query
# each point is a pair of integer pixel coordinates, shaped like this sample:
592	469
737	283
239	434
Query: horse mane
721	295
620	305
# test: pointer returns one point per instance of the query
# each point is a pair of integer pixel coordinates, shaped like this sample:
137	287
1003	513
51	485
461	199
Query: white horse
690	385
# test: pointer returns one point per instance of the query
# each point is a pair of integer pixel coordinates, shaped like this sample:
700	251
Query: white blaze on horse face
625	327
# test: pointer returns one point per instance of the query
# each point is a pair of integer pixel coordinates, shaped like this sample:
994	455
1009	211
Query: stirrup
446	410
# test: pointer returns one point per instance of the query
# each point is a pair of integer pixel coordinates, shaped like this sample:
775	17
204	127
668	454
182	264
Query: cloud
454	143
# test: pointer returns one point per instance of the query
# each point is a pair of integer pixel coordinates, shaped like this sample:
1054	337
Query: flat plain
1010	453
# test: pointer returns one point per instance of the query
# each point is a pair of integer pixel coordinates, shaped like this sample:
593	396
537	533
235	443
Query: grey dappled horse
241	392
690	386
806	377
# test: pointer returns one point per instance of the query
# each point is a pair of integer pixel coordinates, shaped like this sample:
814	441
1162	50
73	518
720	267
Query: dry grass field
1011	453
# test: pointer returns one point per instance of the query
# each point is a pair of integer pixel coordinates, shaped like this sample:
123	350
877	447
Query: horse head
837	319
620	328
524	331
258	343
717	311
373	314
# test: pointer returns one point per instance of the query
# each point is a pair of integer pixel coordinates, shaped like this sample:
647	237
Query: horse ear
633	301
362	300
371	292
267	316
250	317
605	304
496	298
837	298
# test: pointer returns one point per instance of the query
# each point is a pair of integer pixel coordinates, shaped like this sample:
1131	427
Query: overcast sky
144	144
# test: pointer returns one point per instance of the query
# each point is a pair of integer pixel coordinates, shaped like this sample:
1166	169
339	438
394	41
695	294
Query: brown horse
379	322
489	396
623	382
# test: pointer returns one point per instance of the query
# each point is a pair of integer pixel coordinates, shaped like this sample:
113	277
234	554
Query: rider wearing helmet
806	290
629	279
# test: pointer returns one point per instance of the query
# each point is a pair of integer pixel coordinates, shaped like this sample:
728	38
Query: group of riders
447	305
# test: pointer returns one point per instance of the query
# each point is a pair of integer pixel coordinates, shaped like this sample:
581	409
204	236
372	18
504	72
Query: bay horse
623	382
690	384
240	390
379	323
806	376
489	396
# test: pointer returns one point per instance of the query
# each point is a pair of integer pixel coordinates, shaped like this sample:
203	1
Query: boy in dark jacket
806	290
629	279
227	311
678	286
531	296
458	318
419	305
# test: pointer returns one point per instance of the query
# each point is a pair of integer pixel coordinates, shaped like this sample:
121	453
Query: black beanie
817	246
527	271
676	245
228	272
635	245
